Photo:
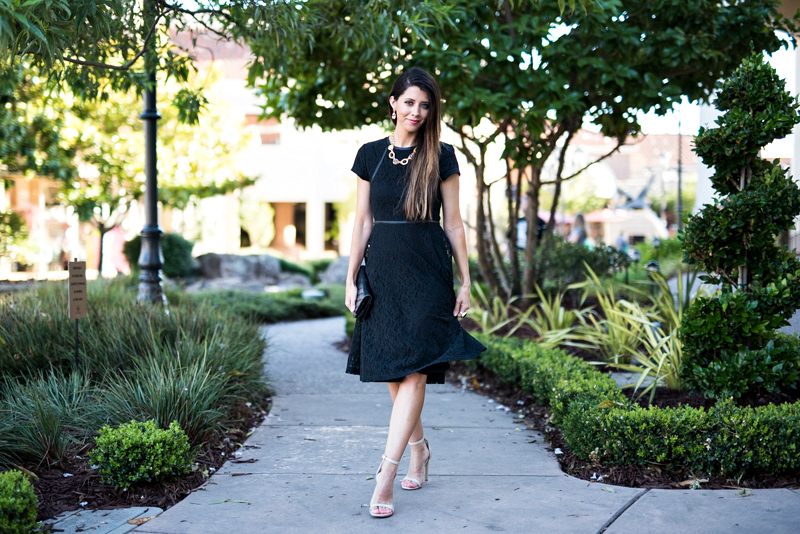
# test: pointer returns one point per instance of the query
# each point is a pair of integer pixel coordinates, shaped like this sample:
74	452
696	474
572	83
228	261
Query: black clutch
364	295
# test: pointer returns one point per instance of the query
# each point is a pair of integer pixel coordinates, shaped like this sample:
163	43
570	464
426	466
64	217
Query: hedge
600	424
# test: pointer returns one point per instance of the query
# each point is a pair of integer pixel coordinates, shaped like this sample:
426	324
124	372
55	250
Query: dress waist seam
407	222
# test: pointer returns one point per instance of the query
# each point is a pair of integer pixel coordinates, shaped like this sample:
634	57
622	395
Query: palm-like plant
658	355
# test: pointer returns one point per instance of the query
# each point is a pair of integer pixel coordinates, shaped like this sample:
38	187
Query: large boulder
336	273
293	280
257	267
255	273
236	284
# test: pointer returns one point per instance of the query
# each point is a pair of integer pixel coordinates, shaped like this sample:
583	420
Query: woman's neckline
400	147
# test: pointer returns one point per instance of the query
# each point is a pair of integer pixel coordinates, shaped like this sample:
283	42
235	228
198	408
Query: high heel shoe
413	483
374	507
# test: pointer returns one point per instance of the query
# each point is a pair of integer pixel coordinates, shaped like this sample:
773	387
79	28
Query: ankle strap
390	460
416	442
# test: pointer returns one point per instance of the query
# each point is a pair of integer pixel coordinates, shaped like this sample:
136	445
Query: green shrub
271	307
728	336
631	435
763	438
141	452
561	263
600	425
349	325
177	253
17	504
318	267
669	248
291	267
773	368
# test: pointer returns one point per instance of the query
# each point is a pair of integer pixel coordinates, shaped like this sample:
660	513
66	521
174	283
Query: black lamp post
151	260
679	207
652	267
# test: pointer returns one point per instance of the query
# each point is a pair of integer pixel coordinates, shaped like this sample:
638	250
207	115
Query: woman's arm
361	231
454	228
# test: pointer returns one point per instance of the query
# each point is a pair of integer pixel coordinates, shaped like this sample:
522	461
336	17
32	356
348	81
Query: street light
656	245
652	267
151	260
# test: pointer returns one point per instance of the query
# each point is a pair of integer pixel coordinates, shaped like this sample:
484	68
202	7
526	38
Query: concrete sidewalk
312	458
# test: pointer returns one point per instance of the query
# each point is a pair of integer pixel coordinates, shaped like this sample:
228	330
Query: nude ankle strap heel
409	483
374	507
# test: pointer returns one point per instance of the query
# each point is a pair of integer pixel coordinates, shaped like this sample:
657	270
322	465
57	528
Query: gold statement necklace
392	157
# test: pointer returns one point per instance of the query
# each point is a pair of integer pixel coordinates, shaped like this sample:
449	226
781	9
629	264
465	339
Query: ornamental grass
190	362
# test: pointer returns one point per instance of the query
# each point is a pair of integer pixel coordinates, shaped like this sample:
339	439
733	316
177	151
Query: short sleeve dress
410	327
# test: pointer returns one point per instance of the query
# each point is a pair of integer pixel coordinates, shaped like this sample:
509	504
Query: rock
234	284
194	287
255	273
261	267
290	281
336	273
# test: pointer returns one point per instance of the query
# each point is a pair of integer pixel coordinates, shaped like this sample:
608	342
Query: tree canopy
96	47
196	161
30	123
528	75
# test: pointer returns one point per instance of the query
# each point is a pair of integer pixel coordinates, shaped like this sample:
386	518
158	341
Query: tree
30	142
95	47
524	74
110	152
121	44
729	340
13	234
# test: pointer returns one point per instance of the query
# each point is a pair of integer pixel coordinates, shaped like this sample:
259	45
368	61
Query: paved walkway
313	456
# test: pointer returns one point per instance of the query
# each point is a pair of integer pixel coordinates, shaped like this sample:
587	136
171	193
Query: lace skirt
410	327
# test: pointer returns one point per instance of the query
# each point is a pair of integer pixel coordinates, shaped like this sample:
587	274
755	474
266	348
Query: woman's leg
418	452
418	432
408	400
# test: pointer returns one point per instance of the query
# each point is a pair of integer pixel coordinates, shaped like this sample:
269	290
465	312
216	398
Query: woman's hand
462	301
351	292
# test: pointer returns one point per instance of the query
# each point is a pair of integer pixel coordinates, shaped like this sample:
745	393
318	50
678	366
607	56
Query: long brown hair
423	173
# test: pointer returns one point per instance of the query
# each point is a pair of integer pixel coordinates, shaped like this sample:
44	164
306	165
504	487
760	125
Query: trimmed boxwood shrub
141	452
728	338
177	253
600	424
17	504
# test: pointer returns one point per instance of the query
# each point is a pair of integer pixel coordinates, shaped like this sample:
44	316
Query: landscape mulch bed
76	485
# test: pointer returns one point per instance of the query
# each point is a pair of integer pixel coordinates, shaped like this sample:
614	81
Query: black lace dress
411	327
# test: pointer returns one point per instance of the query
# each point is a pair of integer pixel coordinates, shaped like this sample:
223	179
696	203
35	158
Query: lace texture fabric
411	327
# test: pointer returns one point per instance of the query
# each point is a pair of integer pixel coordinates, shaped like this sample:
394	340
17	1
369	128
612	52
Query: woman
412	330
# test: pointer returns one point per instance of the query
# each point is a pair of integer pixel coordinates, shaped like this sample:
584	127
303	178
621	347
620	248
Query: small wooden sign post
77	296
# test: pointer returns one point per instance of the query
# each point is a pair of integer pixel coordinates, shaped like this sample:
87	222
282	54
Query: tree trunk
745	175
531	241
103	230
494	248
481	227
551	224
513	195
743	267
